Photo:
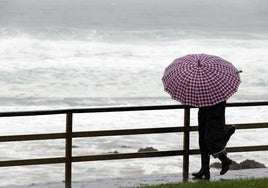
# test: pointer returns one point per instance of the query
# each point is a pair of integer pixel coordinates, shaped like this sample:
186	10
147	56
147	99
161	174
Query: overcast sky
244	15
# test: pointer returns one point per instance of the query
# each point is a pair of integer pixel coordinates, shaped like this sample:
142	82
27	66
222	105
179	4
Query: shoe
225	166
202	174
204	171
225	163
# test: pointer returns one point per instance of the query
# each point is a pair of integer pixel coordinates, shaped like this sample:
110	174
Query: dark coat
212	129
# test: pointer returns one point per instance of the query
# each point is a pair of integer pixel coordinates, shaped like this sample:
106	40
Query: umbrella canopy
200	80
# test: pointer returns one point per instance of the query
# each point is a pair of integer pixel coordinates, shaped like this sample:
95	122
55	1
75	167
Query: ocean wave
34	67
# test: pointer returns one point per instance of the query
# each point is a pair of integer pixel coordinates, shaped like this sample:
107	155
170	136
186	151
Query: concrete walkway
131	182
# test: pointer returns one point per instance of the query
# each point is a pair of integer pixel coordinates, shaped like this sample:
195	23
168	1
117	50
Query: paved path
130	182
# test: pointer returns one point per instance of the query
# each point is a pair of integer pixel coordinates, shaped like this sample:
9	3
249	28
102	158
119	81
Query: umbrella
201	80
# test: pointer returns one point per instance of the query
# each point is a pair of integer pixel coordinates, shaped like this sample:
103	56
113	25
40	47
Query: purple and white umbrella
201	80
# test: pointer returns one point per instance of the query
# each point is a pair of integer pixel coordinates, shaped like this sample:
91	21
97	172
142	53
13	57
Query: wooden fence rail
68	159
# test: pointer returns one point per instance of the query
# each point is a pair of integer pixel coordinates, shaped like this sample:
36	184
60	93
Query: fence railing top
117	109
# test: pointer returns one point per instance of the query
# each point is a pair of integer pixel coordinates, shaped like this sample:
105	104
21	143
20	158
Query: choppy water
71	54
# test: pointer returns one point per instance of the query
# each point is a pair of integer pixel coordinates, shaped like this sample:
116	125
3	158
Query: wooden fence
68	135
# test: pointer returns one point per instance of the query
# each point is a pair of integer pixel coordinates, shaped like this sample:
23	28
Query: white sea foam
45	68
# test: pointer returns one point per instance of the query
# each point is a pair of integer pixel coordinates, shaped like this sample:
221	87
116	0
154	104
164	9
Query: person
213	137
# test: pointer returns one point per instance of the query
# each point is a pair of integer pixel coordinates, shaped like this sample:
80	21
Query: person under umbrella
213	137
205	81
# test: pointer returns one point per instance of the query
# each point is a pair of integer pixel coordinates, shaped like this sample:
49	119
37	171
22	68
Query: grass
239	183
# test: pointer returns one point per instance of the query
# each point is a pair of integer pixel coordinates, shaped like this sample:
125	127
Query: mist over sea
60	54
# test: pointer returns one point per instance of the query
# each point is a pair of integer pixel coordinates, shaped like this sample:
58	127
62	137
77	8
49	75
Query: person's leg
205	156
218	134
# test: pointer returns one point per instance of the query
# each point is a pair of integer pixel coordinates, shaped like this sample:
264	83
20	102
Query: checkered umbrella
200	80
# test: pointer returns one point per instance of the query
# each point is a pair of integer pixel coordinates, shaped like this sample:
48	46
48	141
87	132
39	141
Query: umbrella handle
240	71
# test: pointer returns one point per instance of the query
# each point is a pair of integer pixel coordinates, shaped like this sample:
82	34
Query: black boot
204	171
225	163
230	132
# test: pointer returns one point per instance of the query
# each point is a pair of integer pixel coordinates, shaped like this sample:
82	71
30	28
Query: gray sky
238	14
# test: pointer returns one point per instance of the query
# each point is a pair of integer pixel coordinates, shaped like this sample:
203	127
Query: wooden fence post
186	143
68	150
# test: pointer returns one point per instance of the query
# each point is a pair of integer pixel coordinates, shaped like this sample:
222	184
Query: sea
71	54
